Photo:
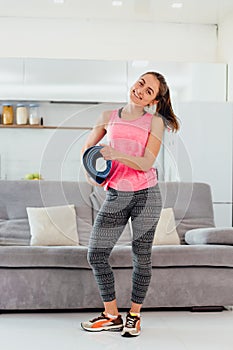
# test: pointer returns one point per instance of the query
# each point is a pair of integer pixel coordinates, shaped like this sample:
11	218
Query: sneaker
103	323
132	326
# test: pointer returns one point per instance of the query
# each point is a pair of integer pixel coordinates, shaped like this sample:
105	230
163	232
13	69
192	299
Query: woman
135	138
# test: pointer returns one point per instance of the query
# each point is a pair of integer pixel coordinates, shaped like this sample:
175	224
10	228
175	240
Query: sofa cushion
16	196
192	205
192	255
43	256
53	225
121	257
3	209
211	235
14	232
165	232
97	198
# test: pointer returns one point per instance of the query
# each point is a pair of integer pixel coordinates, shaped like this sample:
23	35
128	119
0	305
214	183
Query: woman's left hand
108	152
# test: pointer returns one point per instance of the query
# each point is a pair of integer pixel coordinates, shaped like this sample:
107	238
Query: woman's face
145	90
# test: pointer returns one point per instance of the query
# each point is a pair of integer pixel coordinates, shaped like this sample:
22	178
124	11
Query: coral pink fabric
129	137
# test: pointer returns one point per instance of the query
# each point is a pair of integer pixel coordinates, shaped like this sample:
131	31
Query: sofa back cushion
192	205
14	232
16	196
191	202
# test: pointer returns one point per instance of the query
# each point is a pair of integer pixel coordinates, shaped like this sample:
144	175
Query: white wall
118	40
225	49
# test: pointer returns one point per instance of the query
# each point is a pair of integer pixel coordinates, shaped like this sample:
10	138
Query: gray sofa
59	277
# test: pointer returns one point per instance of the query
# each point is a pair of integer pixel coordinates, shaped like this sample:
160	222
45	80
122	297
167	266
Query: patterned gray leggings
144	208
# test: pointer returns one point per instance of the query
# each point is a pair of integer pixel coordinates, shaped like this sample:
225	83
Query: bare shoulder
106	115
104	118
157	123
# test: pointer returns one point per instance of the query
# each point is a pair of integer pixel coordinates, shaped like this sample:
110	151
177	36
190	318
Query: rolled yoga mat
90	157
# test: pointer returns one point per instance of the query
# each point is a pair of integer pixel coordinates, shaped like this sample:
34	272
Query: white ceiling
193	11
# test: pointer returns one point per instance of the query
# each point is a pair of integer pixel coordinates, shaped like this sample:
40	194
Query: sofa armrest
210	235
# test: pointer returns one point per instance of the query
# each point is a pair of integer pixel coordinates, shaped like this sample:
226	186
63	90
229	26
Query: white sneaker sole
127	332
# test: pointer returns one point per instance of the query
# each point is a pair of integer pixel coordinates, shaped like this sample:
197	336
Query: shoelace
101	317
130	322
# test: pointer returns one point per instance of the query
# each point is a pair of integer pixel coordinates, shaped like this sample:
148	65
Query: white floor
161	330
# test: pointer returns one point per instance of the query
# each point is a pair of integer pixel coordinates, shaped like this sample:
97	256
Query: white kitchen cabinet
11	78
230	83
106	81
63	80
205	150
208	83
171	172
223	214
75	80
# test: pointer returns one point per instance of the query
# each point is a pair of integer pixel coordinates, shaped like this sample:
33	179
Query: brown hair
164	106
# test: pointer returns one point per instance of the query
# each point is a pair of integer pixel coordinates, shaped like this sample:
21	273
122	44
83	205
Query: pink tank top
129	137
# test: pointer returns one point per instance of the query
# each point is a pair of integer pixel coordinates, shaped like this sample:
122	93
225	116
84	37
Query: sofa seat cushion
192	255
121	257
43	256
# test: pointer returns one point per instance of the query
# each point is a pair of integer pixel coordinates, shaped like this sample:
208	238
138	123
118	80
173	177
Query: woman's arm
98	131
145	162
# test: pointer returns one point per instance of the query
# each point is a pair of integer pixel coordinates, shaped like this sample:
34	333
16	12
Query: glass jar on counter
21	114
34	114
7	114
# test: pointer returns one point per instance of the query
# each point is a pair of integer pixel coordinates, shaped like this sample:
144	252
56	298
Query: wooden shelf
68	127
15	126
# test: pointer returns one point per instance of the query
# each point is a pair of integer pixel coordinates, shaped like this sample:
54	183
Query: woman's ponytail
164	106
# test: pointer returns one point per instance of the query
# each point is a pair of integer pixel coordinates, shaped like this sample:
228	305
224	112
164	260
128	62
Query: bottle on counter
7	114
21	114
34	117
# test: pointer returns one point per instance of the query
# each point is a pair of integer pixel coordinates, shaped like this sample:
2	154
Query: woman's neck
133	110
